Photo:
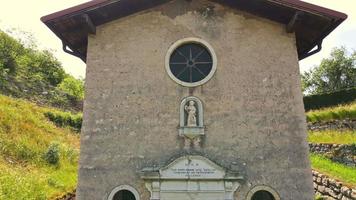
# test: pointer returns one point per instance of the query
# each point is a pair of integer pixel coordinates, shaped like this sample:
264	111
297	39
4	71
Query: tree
34	74
10	50
44	65
72	86
334	73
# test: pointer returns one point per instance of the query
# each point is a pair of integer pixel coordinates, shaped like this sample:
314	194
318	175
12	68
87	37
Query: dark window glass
191	62
262	195
124	195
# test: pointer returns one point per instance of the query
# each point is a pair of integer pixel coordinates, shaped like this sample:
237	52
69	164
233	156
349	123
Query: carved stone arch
122	188
260	188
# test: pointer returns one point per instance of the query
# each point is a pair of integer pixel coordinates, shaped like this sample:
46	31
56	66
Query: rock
315	185
353	194
338	184
344	189
321	189
345	198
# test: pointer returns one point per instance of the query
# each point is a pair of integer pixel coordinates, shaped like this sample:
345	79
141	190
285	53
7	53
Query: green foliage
335	73
28	142
329	114
26	72
42	66
337	171
52	154
66	119
72	86
332	137
318	101
318	197
10	50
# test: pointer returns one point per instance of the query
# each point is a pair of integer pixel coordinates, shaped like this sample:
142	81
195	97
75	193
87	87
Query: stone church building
193	99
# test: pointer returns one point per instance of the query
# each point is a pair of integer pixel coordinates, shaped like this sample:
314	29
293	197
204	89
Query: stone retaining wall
69	196
333	125
330	189
341	153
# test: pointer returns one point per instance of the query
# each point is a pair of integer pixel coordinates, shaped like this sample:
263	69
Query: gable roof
310	23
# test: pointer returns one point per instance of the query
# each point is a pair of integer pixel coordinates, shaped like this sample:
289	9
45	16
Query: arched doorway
124	192
124	195
262	192
262	195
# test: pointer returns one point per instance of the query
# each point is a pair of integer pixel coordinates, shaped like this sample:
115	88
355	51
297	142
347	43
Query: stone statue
191	111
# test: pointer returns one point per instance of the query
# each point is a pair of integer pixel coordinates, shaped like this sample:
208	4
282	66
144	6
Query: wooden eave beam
91	28
293	22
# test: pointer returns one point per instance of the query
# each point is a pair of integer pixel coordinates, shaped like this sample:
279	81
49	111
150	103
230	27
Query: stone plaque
190	177
192	167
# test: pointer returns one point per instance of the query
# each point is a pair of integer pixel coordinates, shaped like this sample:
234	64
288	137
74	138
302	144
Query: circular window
191	62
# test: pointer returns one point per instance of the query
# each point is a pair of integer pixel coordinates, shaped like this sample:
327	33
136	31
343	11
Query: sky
24	16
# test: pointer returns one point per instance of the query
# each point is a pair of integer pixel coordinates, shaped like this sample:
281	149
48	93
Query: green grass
332	137
340	172
25	136
328	114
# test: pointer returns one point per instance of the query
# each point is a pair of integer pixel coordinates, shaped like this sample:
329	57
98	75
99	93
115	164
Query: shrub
329	99
73	87
66	119
52	154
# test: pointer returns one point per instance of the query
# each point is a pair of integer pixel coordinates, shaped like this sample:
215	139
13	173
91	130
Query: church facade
192	100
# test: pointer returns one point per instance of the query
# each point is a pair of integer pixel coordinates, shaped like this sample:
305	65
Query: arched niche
191	107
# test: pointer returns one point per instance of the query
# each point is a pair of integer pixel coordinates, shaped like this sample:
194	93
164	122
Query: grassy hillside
337	171
332	137
343	173
333	113
37	159
30	73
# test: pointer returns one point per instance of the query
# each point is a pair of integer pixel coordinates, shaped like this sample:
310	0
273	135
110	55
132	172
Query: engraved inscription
193	167
193	170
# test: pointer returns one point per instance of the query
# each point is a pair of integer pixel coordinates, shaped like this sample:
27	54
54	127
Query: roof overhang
310	23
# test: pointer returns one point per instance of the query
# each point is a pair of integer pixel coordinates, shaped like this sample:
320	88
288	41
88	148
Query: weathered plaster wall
253	108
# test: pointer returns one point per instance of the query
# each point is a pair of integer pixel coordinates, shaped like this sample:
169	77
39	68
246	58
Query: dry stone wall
333	125
68	196
330	189
341	153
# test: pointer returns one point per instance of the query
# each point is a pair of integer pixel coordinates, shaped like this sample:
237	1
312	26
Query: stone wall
68	196
331	189
333	125
345	154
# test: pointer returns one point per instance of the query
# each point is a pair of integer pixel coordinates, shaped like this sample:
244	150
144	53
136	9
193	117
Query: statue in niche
192	112
191	126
